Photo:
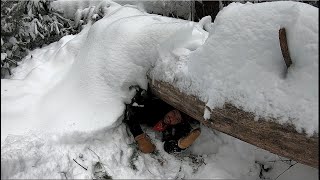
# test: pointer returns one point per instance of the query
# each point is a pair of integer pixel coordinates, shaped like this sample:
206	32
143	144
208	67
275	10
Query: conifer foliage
26	25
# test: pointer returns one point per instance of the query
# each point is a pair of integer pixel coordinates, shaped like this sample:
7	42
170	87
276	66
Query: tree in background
26	25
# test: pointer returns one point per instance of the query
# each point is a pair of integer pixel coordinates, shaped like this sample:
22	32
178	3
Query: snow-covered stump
279	139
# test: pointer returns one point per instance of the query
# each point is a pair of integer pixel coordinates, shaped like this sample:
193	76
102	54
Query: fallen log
279	139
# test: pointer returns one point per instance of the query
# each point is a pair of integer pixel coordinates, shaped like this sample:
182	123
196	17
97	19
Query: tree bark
279	139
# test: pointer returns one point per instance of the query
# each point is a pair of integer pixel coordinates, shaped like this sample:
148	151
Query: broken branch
284	47
80	165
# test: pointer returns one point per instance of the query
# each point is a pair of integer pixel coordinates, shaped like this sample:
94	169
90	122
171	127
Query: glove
144	143
188	140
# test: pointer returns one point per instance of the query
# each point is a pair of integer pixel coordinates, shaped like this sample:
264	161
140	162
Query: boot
186	141
144	143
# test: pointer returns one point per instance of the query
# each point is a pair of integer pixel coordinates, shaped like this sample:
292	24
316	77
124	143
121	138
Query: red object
160	126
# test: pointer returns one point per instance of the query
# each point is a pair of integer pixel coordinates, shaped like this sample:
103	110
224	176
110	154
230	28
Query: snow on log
279	139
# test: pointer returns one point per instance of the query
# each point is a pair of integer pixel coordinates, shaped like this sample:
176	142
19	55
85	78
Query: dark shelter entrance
179	130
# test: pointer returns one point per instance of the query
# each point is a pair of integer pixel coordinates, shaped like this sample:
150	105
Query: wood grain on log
282	140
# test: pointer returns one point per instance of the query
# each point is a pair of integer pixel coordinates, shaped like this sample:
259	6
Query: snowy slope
64	106
87	80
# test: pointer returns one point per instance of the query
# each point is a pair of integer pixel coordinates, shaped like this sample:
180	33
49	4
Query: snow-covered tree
26	25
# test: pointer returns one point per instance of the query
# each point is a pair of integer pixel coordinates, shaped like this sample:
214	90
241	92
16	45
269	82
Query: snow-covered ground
64	104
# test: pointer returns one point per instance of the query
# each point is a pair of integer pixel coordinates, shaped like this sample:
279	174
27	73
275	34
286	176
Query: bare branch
95	153
80	165
285	170
284	47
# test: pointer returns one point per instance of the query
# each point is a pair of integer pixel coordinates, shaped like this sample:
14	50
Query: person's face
172	117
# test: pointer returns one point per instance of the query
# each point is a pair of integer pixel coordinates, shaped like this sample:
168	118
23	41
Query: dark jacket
149	110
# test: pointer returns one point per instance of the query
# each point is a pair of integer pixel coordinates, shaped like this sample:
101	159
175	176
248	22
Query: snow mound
241	63
69	8
82	84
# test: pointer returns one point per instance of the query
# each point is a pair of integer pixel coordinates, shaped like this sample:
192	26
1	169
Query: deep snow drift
87	80
71	94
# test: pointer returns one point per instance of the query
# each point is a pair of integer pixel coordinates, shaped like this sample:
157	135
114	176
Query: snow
87	79
65	102
70	7
241	63
214	155
3	56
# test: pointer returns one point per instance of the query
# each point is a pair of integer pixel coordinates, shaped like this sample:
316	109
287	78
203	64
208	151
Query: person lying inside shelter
177	132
